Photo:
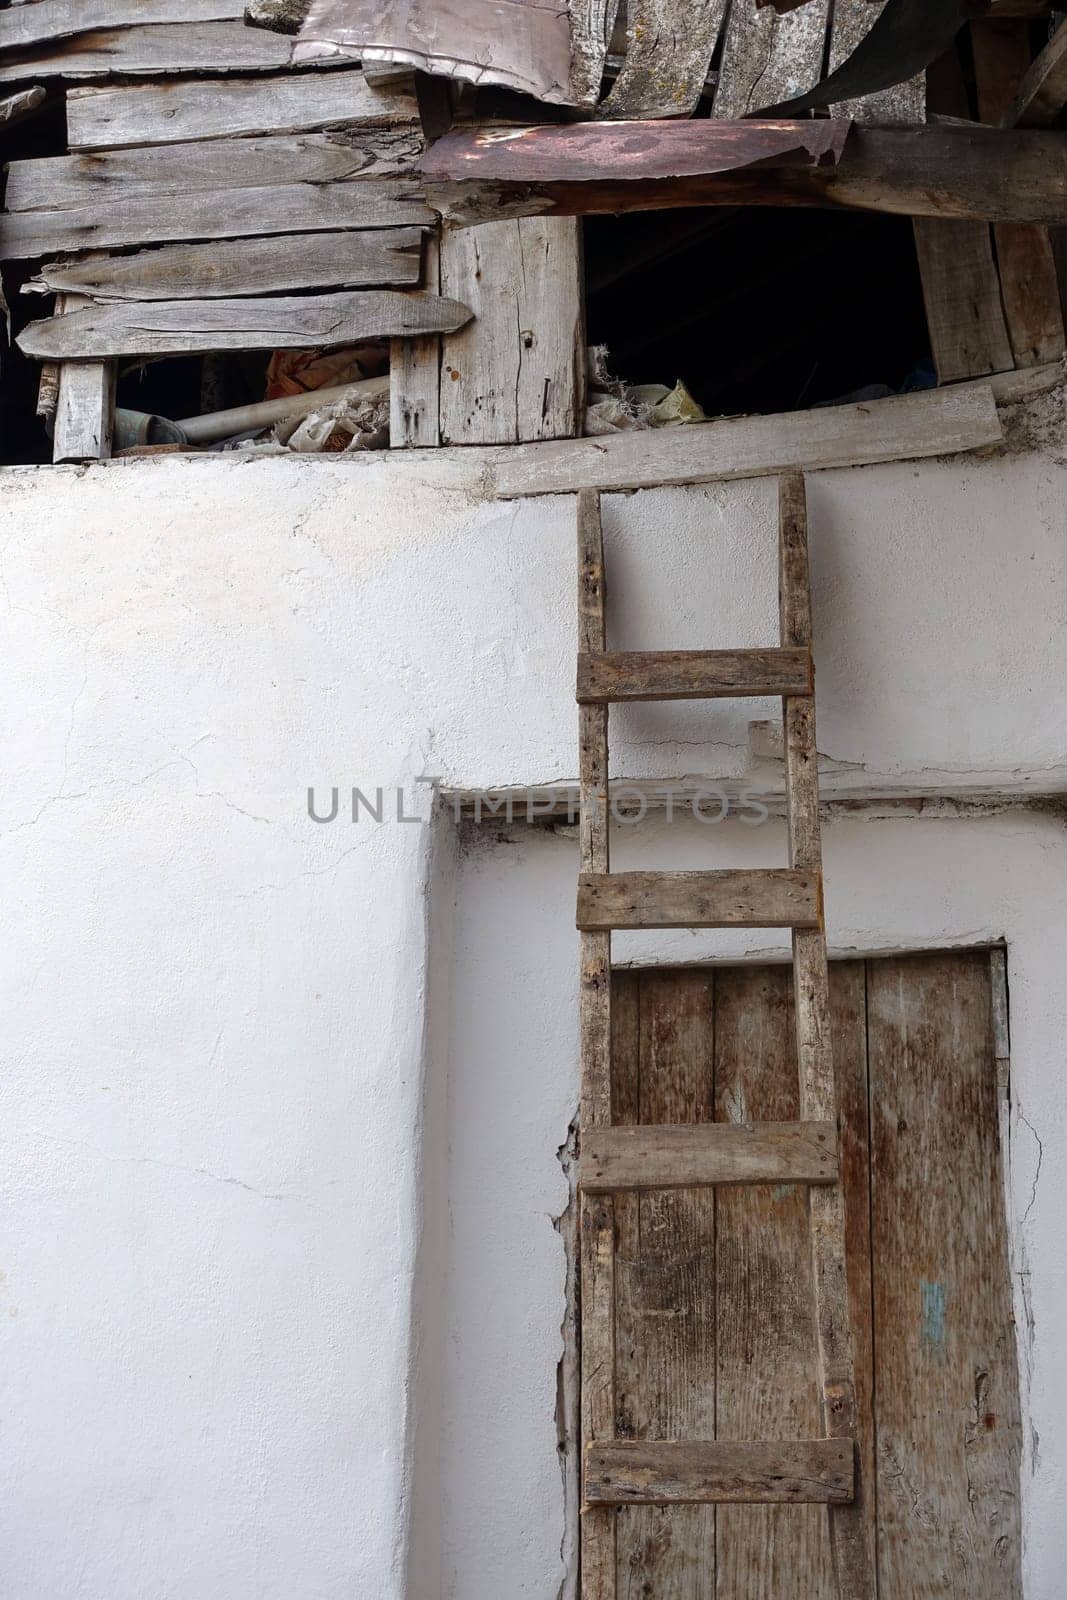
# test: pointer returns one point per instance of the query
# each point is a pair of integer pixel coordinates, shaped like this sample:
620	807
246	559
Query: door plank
665	1276
945	1360
765	1323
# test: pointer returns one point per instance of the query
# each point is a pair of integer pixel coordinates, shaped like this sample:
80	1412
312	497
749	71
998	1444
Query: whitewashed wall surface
280	1286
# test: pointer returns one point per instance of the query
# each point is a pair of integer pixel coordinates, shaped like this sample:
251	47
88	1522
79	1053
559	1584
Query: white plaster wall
226	1027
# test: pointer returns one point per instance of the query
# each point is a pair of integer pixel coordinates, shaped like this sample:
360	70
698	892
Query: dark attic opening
755	310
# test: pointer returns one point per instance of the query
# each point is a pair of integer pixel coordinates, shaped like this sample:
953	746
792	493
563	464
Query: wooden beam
905	427
720	1472
56	183
387	256
961	292
23	26
515	372
296	208
710	1153
762	898
972	172
185	327
173	113
1043	91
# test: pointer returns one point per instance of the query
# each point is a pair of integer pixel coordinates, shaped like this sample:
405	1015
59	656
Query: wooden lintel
969	172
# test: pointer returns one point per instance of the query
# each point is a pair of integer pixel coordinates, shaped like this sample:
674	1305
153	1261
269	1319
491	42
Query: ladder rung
608	676
629	1472
708	1153
768	897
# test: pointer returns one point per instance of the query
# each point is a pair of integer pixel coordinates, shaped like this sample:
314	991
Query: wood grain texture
157	48
961	293
516	372
663	1046
164	327
849	1530
759	898
415	371
938	422
904	105
946	1374
85	404
63	182
173	113
216	214
690	1157
1042	93
691	674
631	1472
668	54
769	56
766	1366
592	24
22	26
1027	267
244	267
23	103
595	1023
961	172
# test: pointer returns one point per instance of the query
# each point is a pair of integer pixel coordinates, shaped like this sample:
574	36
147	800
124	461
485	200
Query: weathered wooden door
714	1325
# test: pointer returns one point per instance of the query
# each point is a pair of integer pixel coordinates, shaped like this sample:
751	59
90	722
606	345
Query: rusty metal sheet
587	152
519	44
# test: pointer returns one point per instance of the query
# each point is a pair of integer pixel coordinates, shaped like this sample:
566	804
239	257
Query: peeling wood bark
243	267
184	327
100	119
215	214
668	54
974	173
61	182
769	56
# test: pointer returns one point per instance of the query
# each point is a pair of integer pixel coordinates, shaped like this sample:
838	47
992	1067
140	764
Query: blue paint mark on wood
932	1296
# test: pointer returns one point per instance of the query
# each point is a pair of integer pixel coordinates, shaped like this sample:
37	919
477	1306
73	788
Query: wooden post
85	404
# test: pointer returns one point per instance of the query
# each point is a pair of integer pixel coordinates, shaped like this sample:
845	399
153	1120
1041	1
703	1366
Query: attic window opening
758	310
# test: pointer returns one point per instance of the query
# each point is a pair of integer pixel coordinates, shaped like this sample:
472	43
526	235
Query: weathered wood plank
903	105
23	26
766	1348
301	208
691	674
524	47
938	422
666	63
1027	267
592	24
84	419
595	1018
174	113
156	49
761	898
1043	92
516	372
811	1003
388	256
769	56
63	182
181	327
718	1472
946	1375
656	1157
940	170
665	1273
415	371
961	293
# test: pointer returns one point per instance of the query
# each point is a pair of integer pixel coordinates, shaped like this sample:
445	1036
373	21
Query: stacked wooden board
258	207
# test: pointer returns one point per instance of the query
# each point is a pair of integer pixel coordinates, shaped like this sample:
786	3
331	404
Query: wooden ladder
618	1472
